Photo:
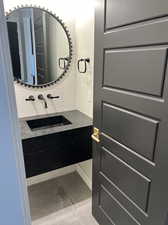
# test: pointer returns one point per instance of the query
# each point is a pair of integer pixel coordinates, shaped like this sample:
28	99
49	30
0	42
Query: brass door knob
96	135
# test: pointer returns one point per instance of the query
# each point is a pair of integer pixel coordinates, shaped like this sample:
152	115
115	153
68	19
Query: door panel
146	65
131	112
117	213
128	128
153	32
123	12
127	179
135	160
122	198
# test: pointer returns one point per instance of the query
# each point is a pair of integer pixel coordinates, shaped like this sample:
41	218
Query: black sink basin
48	122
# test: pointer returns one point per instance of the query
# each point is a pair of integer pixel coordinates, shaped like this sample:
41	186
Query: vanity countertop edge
77	118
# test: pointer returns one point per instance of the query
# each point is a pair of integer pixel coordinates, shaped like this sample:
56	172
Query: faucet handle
52	97
30	98
40	97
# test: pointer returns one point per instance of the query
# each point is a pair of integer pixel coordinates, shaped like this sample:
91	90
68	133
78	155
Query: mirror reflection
39	46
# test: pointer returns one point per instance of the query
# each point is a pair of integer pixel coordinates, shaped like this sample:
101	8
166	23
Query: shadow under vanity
55	141
41	54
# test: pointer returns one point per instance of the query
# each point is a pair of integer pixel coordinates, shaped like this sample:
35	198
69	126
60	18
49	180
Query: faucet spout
41	97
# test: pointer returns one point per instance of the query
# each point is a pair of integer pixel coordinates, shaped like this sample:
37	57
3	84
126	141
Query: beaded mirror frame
69	41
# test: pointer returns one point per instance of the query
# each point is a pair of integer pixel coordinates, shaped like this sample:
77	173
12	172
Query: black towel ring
86	60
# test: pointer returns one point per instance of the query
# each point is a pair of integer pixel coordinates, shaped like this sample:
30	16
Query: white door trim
14	207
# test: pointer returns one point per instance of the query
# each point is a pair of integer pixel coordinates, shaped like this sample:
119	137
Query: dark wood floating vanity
55	141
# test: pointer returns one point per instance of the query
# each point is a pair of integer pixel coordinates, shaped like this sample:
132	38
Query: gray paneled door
130	163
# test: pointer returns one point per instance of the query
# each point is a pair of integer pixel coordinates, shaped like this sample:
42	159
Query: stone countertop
77	119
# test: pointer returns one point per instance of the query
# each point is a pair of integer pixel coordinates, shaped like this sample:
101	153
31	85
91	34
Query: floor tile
83	212
56	218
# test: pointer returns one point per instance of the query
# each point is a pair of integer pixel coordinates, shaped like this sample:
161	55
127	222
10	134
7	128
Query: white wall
75	90
85	48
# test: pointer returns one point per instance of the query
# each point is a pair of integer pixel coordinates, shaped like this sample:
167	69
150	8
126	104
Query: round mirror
40	45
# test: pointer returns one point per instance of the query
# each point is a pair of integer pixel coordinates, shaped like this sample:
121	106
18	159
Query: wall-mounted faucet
30	98
41	97
52	97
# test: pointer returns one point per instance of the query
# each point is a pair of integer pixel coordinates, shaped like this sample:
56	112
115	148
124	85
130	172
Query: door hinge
96	134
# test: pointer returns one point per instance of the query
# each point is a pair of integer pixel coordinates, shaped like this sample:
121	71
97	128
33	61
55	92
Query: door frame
14	208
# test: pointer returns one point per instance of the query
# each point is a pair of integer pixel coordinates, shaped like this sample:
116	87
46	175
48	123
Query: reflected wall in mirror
40	45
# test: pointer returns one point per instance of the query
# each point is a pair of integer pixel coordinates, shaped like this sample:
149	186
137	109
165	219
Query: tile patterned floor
65	200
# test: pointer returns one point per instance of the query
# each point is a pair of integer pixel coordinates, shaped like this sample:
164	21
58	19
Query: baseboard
83	175
51	175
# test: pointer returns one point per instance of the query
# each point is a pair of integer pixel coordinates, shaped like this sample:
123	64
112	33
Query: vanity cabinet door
46	153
